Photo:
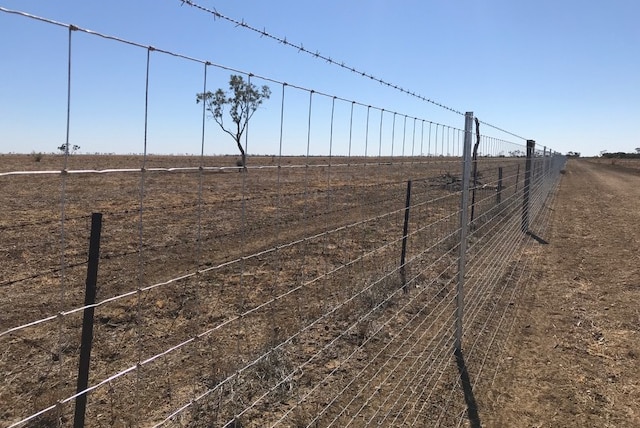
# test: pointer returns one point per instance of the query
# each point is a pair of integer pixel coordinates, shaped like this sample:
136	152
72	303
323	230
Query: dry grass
298	304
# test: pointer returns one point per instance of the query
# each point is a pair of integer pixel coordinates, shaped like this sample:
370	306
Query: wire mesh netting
317	286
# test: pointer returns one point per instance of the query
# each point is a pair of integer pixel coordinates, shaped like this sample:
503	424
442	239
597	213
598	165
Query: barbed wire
150	48
318	55
266	34
428	362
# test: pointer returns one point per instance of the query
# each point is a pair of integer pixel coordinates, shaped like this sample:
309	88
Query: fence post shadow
536	237
469	398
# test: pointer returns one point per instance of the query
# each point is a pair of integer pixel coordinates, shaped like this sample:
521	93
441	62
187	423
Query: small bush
37	156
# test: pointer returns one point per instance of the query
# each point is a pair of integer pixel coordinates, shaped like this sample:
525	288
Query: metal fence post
531	146
474	158
545	168
464	225
87	320
405	231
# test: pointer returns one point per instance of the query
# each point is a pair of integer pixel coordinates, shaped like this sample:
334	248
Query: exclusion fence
366	272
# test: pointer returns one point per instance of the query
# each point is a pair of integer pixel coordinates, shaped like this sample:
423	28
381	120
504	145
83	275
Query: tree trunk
243	154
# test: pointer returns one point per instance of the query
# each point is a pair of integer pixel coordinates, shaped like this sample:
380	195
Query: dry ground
571	360
574	360
271	277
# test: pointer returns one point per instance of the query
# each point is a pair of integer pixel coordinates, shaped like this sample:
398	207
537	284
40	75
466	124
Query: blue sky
564	73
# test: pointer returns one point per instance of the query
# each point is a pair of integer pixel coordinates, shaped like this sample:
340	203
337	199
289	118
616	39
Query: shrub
37	156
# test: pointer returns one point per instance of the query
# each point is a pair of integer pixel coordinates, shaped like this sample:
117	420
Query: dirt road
574	360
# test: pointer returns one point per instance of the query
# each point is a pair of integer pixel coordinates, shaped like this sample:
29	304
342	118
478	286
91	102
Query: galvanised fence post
464	226
544	163
545	169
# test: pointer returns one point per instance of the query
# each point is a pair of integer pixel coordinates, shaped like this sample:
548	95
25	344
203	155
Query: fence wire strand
294	305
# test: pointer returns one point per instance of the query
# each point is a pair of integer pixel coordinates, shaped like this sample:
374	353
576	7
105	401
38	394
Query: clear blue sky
564	73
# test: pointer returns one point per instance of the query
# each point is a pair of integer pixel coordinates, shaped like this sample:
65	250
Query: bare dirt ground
575	354
286	328
625	164
571	361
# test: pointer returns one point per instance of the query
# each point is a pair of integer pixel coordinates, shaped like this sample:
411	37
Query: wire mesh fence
318	286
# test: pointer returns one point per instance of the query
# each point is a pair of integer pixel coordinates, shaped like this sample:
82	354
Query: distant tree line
621	155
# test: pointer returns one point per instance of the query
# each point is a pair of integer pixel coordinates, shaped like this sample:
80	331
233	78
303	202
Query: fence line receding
364	272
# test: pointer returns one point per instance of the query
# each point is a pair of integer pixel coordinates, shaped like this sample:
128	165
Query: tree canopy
67	149
242	100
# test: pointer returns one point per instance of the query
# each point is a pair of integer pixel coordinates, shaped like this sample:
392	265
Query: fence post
531	145
543	179
405	231
87	320
499	194
464	225
474	158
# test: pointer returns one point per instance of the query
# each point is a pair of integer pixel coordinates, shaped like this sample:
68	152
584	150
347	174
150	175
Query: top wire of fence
151	49
316	54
